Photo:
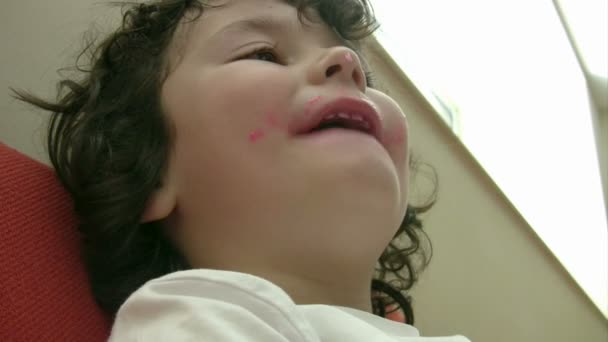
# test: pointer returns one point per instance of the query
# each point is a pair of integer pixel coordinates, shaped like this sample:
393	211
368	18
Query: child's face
248	194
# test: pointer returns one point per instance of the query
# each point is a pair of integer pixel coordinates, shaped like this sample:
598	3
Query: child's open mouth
344	121
344	115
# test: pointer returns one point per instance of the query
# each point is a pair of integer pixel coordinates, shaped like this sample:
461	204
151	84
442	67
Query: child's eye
263	54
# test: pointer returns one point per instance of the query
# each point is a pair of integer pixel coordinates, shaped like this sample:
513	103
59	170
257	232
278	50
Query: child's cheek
395	136
271	122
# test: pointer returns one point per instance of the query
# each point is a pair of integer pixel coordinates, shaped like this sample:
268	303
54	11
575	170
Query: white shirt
222	306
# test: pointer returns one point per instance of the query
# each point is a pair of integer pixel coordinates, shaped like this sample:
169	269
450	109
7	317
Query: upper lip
307	122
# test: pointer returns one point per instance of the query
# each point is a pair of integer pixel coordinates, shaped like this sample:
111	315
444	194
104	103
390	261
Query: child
238	178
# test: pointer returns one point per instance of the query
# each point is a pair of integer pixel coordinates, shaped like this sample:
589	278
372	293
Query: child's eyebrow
265	24
260	23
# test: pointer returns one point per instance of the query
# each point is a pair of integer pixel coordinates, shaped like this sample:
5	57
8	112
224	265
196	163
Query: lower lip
331	135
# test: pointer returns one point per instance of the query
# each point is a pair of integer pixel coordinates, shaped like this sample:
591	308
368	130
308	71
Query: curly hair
109	144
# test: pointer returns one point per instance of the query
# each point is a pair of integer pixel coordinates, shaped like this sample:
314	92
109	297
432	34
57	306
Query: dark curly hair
109	143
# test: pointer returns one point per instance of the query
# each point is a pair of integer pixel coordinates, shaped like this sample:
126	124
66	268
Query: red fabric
44	292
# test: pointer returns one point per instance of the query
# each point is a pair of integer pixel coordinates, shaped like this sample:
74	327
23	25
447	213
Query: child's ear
162	201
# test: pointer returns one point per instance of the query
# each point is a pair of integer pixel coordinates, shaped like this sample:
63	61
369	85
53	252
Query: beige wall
602	143
37	38
491	278
598	97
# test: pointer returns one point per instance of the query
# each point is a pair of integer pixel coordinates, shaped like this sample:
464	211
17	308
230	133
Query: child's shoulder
232	306
207	304
231	286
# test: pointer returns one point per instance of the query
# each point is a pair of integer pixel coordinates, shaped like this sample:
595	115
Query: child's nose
338	64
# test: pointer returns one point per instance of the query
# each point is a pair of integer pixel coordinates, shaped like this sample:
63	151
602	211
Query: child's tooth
357	117
343	115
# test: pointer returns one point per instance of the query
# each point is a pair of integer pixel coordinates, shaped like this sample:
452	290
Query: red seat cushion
44	291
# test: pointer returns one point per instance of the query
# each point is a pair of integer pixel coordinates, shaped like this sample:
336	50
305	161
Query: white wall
491	278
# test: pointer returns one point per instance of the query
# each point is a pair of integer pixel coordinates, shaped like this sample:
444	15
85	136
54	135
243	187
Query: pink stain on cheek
256	135
273	121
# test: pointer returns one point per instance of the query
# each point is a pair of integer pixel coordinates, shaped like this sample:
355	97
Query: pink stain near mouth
348	57
273	121
313	100
311	103
256	135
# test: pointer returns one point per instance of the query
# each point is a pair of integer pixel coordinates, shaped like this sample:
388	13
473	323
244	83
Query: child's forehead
253	14
226	19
